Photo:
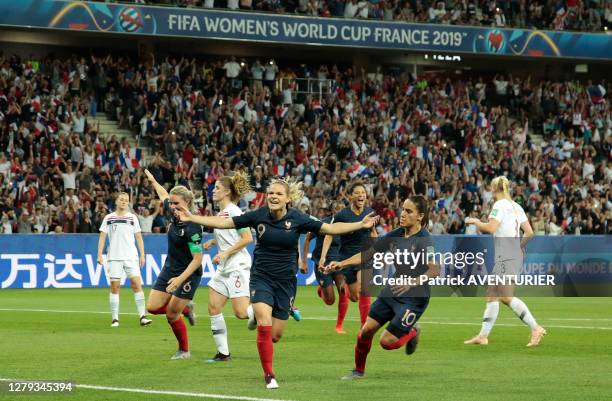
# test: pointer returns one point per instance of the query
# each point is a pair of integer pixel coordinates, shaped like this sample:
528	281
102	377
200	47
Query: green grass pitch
573	362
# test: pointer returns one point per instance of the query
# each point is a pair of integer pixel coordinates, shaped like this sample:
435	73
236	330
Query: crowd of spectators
441	136
578	15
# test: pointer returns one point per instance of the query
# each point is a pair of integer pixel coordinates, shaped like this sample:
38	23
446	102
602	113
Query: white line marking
159	392
325	318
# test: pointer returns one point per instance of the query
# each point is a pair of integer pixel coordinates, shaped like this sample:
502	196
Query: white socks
522	311
114	304
219	331
250	312
139	298
489	318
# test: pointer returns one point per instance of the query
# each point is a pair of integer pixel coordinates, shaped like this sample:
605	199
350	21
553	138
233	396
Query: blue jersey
353	242
276	252
334	247
420	243
184	238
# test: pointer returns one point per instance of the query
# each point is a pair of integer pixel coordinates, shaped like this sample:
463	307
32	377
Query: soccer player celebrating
506	220
351	244
399	305
121	227
273	277
231	279
326	281
180	277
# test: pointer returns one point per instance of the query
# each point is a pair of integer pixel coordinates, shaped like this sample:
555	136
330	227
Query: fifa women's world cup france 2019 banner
211	24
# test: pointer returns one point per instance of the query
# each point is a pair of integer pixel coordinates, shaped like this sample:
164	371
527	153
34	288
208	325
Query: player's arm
101	241
245	239
162	194
209	244
527	233
208	221
141	250
327	240
196	262
304	253
488	228
343	228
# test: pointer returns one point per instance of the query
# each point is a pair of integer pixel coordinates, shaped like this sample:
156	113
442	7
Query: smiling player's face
358	197
277	197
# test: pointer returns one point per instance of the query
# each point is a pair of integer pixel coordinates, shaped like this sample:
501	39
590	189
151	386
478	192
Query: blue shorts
324	280
401	313
279	294
185	291
350	274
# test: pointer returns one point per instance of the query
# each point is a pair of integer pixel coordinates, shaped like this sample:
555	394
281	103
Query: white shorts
510	267
234	285
117	268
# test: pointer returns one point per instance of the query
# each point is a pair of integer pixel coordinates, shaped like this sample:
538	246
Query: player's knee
214	309
506	300
329	300
366	333
172	316
136	287
276	337
241	314
387	343
354	297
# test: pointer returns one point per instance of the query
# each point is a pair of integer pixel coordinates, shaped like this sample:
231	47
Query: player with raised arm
326	281
352	243
399	305
180	277
506	220
122	227
273	275
231	279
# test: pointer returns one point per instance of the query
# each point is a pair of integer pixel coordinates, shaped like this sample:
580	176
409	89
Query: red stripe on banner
538	53
78	26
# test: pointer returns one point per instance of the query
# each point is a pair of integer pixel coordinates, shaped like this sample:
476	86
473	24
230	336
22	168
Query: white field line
158	392
325	318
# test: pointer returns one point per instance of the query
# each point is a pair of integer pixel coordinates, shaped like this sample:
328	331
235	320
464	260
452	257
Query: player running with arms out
400	306
506	220
273	276
326	281
180	277
122	227
352	243
231	279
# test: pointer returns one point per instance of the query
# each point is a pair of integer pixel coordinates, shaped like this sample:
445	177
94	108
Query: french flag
133	159
596	93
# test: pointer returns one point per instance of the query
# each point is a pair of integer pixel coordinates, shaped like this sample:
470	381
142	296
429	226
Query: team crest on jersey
287	225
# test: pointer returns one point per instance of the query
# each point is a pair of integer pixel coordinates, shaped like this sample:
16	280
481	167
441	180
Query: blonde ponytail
502	185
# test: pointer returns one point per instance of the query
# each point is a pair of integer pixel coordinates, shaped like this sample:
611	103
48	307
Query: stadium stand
195	120
576	15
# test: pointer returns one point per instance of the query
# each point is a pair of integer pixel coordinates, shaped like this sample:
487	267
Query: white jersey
510	216
120	231
226	238
507	236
